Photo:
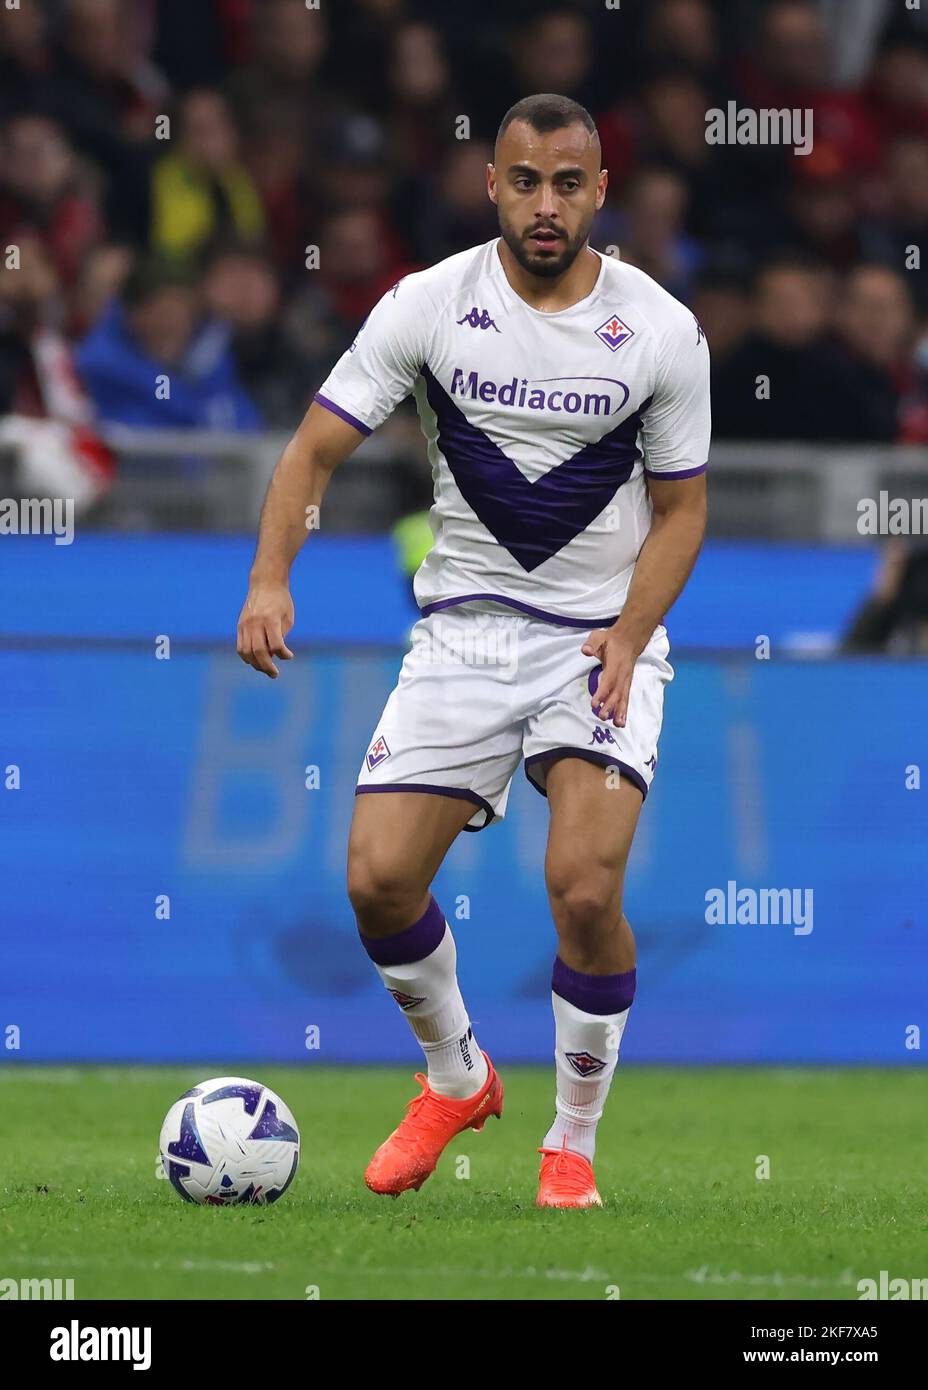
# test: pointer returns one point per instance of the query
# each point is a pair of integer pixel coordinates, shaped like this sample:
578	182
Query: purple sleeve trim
672	477
412	944
588	755
594	994
342	414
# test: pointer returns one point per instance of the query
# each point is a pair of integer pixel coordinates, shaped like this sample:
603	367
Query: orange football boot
431	1121
566	1180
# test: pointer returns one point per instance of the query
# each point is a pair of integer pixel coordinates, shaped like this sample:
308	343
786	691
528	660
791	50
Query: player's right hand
265	620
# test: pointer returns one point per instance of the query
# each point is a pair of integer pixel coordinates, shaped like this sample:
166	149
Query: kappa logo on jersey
601	735
481	320
700	331
584	1063
406	1001
614	333
377	753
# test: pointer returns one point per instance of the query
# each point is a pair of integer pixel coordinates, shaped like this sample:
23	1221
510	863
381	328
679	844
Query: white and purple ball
229	1141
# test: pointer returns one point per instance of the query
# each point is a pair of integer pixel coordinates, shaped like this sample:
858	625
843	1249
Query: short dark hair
547	111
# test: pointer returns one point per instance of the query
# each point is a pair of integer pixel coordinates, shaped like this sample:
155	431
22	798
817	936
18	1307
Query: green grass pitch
685	1214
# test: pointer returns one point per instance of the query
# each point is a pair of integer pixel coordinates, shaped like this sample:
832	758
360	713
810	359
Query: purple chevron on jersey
533	521
249	1096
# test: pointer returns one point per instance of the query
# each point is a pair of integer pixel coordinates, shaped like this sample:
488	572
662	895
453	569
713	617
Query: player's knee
383	896
585	900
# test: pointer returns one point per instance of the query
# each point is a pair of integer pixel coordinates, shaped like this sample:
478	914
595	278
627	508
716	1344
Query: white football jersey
541	427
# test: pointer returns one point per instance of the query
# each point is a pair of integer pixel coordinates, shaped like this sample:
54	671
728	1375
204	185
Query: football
229	1141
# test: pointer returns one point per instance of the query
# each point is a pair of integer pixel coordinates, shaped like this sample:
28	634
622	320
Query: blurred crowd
291	128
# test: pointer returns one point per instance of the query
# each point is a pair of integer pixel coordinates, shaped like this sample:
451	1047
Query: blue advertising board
142	786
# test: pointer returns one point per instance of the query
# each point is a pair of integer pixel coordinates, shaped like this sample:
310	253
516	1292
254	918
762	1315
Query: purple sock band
594	994
412	944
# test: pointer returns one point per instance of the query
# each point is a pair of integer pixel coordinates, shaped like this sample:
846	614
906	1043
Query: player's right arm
364	387
295	493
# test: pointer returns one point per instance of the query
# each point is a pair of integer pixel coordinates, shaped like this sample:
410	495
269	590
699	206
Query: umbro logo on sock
407	1001
584	1063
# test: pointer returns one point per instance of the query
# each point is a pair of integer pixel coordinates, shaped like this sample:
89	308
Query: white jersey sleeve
379	370
676	426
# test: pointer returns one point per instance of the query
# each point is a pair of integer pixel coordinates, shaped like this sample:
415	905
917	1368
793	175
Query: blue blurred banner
187	778
348	589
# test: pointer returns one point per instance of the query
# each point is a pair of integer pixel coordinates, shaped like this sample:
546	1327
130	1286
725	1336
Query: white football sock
586	1052
427	991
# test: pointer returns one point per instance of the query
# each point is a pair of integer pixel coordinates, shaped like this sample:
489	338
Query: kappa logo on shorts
602	735
406	1001
377	753
614	333
584	1063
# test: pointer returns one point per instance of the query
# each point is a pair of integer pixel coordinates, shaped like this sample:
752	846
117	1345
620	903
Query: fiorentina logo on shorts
614	333
377	753
584	1063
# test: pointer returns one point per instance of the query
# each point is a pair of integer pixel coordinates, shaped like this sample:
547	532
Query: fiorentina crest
377	753
406	1001
614	333
584	1063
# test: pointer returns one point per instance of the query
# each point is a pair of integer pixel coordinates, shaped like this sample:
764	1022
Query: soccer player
565	400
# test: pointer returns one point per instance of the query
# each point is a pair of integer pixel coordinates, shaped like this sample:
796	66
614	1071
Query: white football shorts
480	690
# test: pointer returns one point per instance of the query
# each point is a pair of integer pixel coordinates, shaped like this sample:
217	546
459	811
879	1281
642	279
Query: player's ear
491	182
601	187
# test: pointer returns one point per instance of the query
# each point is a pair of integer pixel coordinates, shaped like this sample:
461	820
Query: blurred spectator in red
44	189
242	289
788	66
154	361
653	237
787	380
201	190
45	414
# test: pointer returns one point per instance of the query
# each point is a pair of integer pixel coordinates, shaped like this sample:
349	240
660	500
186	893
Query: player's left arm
668	555
676	444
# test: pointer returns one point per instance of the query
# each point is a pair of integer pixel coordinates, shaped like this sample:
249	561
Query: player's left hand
618	657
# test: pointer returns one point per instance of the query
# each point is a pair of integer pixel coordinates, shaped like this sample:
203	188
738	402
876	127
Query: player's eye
570	185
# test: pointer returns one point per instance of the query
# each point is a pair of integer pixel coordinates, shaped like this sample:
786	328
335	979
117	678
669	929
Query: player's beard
545	266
